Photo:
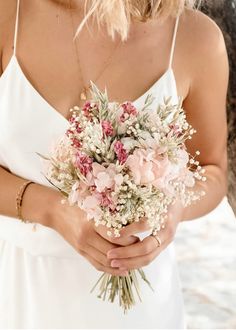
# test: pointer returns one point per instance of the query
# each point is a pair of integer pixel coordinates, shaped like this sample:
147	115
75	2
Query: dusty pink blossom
88	109
78	193
128	109
120	151
106	200
83	162
107	128
76	143
147	166
91	206
106	178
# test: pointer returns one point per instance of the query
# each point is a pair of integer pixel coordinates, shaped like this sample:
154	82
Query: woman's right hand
71	223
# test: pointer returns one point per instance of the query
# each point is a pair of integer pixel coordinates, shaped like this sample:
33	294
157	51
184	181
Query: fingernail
115	263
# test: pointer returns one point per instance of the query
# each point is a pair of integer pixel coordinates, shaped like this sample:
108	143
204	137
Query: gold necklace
84	93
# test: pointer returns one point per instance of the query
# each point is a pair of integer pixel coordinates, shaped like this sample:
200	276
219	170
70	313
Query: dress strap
16	26
173	41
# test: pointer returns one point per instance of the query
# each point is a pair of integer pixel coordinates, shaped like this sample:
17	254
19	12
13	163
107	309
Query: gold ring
157	238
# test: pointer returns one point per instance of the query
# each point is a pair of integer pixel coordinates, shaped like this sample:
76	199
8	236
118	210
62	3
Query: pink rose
107	128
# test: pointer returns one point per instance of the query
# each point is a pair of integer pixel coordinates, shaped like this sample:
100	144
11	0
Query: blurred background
224	13
206	247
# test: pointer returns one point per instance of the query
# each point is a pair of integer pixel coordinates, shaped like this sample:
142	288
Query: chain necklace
84	93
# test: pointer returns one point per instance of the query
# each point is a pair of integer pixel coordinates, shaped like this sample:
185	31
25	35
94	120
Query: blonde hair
117	15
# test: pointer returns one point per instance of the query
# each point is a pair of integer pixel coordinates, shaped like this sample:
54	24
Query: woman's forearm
215	188
37	203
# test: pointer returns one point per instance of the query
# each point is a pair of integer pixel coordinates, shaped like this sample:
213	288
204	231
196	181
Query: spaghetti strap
173	42
16	26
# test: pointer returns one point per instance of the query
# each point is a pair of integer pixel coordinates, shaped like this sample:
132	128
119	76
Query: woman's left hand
143	252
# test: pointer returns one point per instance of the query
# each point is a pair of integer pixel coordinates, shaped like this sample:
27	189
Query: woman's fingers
98	256
146	246
142	253
100	267
141	260
134	228
123	241
100	243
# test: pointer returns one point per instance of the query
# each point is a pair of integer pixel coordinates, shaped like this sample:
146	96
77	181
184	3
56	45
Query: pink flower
88	108
83	162
75	143
106	200
147	166
78	193
107	128
106	178
91	206
128	109
78	128
69	132
120	151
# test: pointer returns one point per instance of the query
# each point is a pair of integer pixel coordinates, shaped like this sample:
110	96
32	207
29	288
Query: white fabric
44	282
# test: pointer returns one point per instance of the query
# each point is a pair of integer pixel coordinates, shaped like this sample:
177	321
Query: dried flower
120	164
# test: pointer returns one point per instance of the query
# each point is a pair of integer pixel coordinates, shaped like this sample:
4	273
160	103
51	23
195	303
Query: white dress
44	282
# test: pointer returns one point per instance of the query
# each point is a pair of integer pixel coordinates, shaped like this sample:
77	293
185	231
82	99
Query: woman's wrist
39	204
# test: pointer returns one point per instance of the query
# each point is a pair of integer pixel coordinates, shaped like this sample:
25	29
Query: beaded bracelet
19	199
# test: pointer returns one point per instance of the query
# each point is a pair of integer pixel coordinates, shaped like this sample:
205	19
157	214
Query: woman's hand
87	239
144	252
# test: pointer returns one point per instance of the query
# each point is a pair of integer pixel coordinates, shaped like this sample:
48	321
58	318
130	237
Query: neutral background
206	253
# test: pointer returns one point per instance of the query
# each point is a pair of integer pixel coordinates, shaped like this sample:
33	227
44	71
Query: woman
161	47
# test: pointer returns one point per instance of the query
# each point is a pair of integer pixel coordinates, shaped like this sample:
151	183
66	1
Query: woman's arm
37	199
205	106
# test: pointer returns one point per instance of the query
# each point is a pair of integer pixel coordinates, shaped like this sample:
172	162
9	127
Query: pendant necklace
84	93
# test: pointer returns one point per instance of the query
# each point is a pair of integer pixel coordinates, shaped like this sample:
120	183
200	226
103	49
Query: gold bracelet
19	199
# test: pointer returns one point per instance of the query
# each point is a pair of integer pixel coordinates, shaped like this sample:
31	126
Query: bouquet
120	164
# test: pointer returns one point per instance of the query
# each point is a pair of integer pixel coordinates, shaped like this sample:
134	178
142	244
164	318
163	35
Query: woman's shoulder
201	40
201	33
